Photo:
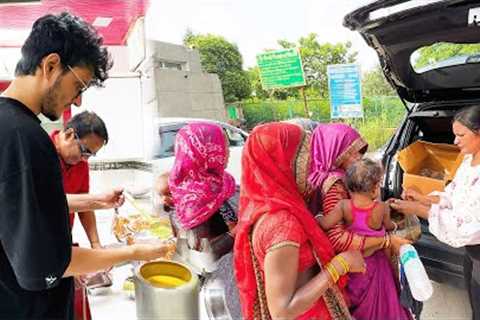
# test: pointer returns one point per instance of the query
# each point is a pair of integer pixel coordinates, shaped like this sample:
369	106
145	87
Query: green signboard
232	112
281	69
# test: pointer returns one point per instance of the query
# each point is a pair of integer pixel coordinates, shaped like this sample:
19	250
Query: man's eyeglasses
84	151
84	85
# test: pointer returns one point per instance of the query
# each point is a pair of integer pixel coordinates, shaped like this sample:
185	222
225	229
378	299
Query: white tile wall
119	104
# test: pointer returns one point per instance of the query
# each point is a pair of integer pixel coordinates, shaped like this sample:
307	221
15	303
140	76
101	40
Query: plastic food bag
409	227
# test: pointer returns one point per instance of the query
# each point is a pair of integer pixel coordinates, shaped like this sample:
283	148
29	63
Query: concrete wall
130	101
188	92
163	51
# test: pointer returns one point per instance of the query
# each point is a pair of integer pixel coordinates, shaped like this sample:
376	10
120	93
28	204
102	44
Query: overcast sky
255	25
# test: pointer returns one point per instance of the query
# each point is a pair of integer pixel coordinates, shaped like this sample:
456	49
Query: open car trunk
396	29
430	122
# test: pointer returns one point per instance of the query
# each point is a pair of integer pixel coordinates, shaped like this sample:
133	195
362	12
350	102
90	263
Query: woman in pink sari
335	147
201	188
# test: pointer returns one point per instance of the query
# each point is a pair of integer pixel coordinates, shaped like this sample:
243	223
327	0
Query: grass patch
382	115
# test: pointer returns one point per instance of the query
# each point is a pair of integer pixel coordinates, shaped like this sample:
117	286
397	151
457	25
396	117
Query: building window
171	65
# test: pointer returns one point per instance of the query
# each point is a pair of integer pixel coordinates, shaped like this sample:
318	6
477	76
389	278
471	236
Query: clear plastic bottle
420	285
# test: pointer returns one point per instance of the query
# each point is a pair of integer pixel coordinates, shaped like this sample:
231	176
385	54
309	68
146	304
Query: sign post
282	69
345	88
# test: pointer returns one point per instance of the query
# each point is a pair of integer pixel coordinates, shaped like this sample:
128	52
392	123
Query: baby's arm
333	217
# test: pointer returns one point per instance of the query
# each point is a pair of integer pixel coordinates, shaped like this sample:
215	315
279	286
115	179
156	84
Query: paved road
447	303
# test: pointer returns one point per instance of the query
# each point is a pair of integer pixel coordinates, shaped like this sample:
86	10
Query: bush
381	115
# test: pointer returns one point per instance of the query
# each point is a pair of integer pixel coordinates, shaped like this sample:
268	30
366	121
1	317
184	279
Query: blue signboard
345	87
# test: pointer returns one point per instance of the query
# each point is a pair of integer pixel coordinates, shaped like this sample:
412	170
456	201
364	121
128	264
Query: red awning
123	13
3	85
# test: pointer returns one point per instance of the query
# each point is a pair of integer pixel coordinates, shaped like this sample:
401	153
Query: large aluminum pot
166	290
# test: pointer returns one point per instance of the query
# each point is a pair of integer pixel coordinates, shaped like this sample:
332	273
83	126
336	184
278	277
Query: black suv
433	85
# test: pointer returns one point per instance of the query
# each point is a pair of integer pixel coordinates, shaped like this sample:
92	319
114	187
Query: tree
316	57
374	84
256	83
441	51
219	56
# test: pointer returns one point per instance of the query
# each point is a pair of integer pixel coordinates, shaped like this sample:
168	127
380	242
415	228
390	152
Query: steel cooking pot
166	290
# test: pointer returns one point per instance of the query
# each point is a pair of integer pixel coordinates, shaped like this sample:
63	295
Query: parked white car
163	154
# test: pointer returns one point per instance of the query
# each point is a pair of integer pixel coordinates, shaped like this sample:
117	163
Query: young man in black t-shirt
60	59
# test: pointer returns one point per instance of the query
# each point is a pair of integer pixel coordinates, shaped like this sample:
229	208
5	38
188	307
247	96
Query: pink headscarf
198	181
331	145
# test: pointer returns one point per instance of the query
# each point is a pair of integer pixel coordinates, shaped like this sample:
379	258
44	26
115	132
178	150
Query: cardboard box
436	157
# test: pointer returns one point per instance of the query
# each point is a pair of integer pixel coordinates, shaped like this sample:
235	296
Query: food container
409	226
166	290
136	228
98	283
128	288
428	166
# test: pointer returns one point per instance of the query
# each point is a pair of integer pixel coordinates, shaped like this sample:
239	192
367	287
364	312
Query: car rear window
444	54
164	144
166	147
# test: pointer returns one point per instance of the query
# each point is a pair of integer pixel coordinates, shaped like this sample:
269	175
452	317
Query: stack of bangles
332	270
387	241
362	244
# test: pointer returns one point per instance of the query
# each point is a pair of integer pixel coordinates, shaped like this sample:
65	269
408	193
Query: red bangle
362	244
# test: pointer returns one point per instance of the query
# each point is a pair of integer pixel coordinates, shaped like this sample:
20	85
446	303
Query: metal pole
305	105
272	108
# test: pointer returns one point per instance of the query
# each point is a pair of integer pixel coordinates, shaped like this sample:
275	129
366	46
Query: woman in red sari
285	268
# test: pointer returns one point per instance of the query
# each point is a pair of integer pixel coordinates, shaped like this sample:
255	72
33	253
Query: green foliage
268	111
374	84
223	58
442	51
256	84
316	57
236	85
381	115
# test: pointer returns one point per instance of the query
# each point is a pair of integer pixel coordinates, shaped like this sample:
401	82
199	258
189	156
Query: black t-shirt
35	247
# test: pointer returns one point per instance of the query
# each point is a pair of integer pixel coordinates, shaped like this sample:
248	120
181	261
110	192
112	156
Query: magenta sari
198	181
373	294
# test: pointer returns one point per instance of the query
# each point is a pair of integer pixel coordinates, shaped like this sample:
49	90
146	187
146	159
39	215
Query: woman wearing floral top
454	215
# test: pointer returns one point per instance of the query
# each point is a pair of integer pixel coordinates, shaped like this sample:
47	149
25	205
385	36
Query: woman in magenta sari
201	189
335	147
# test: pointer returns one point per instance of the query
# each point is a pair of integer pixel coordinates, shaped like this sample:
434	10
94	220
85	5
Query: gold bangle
337	275
343	262
387	241
332	277
333	271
